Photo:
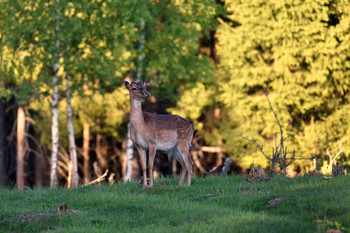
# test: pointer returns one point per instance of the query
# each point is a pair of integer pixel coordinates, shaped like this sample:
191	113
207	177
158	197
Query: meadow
213	204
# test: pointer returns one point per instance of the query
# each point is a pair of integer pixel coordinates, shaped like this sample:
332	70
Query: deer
150	133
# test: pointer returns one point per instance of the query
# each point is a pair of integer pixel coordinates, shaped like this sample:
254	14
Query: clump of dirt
37	216
334	231
256	174
314	173
275	201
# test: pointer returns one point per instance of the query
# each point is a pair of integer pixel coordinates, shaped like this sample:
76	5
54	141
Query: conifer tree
299	50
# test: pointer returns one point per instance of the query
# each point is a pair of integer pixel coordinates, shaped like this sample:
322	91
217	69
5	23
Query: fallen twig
98	179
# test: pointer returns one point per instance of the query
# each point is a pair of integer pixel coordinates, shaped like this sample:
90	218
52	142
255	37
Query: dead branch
283	161
197	163
98	179
33	139
278	150
64	156
261	147
335	157
213	149
111	178
221	170
279	124
97	169
69	181
62	167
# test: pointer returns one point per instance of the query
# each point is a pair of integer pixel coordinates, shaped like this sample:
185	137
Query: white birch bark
129	157
71	138
54	109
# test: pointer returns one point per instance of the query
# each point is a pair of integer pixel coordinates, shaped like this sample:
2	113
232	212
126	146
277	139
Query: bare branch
33	139
98	179
213	149
197	163
339	152
279	124
279	152
261	147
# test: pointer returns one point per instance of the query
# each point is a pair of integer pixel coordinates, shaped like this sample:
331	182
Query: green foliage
105	114
212	204
98	47
192	102
300	51
173	30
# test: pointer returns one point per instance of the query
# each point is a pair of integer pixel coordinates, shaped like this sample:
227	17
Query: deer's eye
134	89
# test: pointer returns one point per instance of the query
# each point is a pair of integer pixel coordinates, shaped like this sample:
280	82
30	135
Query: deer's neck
136	115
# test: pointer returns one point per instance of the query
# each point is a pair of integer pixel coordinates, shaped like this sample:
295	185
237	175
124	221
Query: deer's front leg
142	155
152	153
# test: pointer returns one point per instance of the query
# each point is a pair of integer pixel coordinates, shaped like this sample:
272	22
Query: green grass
229	204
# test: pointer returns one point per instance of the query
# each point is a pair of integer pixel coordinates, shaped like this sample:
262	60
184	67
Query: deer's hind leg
186	164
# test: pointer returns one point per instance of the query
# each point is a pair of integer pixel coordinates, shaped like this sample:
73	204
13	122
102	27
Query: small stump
256	174
337	170
221	170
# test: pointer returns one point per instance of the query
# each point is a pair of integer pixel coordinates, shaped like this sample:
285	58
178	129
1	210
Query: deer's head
138	90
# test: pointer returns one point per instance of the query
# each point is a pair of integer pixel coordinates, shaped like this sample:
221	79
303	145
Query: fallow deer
164	132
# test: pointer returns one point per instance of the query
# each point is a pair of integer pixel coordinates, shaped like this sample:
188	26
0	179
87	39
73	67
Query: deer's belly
166	146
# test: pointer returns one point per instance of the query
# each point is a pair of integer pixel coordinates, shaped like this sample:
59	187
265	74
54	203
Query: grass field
215	204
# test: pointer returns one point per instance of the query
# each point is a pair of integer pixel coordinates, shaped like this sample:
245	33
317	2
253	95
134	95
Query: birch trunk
129	144
54	109
129	156
20	147
2	140
71	138
86	142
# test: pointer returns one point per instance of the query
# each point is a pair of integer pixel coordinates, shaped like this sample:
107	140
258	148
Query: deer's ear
126	84
147	83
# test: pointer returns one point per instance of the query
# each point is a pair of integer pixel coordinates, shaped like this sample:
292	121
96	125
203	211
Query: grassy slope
216	204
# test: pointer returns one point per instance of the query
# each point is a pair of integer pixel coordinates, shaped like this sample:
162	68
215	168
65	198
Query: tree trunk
129	144
2	140
101	152
38	172
86	157
54	109
129	157
71	138
21	122
273	166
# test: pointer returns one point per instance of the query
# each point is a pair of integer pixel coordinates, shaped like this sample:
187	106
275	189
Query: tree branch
98	179
339	152
261	147
279	124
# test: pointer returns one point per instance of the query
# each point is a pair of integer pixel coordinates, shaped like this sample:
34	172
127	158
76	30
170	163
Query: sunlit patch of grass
214	204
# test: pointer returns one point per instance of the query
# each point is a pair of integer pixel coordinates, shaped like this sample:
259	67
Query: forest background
62	64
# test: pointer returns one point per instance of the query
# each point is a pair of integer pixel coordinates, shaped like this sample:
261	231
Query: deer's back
167	122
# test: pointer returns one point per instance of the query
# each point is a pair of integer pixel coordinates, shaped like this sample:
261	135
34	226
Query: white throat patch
137	104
